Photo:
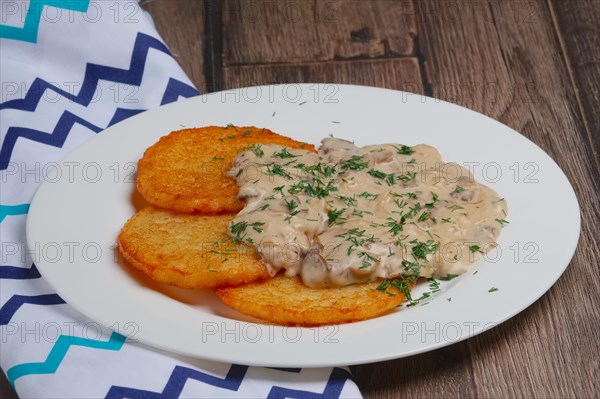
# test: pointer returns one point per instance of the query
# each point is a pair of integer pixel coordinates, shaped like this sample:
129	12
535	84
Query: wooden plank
578	30
6	391
213	53
512	47
443	373
264	32
401	74
181	25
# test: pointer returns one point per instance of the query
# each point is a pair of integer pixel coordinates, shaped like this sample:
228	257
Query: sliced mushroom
315	269
378	157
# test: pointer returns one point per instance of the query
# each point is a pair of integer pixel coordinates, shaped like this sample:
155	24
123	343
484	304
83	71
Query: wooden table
533	65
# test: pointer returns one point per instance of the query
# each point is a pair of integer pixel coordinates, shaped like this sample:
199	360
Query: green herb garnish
284	154
449	277
376	173
369	196
334	214
354	163
404	150
408	177
396	226
424	216
422	249
277	169
256	149
475	248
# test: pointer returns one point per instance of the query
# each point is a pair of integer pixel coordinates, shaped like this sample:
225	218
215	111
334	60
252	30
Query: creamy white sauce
350	215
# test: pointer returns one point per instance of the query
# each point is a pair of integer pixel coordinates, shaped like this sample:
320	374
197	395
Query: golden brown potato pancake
185	170
189	251
287	301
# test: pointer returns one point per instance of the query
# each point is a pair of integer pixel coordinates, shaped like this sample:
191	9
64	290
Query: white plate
80	213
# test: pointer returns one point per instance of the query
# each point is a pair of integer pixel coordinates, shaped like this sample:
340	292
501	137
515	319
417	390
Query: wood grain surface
399	73
532	64
182	24
513	46
264	32
579	36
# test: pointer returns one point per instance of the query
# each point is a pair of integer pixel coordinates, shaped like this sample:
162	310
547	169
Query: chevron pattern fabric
70	69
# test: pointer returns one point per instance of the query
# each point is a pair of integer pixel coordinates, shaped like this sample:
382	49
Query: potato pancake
185	170
287	301
188	251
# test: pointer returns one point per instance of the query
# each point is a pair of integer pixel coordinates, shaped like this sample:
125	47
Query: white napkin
69	69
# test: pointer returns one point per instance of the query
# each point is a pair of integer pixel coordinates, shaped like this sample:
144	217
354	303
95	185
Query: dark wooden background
533	65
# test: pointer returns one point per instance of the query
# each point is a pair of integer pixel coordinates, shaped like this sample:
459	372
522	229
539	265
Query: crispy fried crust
287	301
185	170
188	251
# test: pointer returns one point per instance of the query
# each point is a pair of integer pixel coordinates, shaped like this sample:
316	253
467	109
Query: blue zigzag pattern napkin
69	69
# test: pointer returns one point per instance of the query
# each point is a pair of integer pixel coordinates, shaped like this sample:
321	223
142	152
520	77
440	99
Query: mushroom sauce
353	214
